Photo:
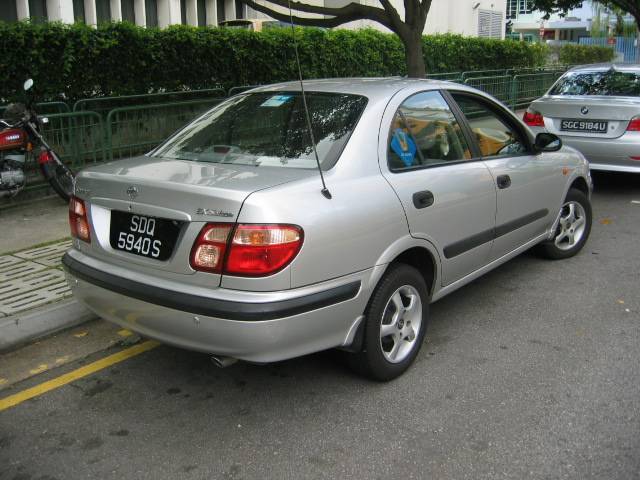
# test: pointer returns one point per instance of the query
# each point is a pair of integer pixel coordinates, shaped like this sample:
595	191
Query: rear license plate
145	236
586	126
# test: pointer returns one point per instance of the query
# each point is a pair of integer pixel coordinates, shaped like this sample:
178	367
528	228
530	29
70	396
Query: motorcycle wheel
61	179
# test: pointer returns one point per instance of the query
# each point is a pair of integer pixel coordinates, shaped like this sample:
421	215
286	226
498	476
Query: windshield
269	129
608	83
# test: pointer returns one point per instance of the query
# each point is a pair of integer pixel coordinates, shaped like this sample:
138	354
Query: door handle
503	181
423	199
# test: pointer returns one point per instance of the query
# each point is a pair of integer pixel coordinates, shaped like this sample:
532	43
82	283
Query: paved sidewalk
35	299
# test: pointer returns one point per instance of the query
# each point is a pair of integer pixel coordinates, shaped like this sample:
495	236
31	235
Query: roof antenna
325	190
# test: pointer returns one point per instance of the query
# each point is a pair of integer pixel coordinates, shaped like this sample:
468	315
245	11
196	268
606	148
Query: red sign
612	41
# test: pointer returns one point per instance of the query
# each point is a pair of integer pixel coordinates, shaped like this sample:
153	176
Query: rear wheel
573	228
395	324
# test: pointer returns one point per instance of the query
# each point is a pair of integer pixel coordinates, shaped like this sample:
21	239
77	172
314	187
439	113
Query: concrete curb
24	327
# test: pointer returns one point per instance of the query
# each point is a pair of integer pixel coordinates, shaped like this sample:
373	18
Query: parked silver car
596	109
220	240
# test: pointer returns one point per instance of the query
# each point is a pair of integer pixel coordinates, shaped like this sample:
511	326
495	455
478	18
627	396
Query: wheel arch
579	183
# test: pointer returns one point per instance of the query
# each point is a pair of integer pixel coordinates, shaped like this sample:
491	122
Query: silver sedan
225	240
596	109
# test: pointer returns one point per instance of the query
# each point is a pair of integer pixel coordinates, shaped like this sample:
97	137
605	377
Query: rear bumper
259	327
606	154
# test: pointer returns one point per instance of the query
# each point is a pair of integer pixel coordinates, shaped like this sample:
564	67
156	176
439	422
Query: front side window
609	83
494	134
270	129
424	132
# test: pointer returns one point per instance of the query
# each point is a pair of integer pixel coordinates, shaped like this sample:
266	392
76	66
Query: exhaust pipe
223	362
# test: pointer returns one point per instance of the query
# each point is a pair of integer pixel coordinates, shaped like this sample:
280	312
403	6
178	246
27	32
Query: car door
449	199
526	182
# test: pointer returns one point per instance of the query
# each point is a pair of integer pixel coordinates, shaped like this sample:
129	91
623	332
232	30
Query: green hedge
570	54
120	58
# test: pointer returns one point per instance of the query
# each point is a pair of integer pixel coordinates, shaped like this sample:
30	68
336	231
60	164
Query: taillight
209	248
533	118
634	125
44	157
251	250
12	138
78	220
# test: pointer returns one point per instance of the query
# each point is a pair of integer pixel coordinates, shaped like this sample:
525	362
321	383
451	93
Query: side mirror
548	142
28	84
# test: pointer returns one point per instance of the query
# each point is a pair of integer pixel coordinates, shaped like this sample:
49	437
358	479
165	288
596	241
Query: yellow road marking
80	334
62	380
125	333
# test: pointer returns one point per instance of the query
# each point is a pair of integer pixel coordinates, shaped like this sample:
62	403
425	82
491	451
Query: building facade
484	18
529	23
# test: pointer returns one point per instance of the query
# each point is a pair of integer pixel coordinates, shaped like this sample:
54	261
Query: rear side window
269	129
424	132
607	83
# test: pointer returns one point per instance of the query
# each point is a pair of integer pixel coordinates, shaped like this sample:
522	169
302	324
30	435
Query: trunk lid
187	193
617	112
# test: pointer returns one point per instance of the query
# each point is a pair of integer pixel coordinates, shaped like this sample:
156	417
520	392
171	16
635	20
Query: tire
573	229
60	178
385	357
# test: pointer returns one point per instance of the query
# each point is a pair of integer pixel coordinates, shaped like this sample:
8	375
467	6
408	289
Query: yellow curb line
17	398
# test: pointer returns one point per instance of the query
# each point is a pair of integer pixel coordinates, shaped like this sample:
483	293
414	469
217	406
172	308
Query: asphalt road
530	372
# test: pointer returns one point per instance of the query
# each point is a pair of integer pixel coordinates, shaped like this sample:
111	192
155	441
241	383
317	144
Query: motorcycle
19	135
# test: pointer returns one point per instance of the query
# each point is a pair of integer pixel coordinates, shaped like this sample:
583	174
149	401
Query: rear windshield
609	83
269	129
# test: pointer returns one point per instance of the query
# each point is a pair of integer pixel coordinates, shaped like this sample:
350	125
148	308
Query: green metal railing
483	73
135	130
45	108
451	76
529	87
498	86
106	104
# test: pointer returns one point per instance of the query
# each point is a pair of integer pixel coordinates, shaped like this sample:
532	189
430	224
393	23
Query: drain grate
19	294
19	270
49	255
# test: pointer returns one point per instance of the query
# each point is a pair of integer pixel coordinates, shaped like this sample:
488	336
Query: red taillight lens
533	118
634	125
12	138
78	221
260	250
252	251
208	251
44	157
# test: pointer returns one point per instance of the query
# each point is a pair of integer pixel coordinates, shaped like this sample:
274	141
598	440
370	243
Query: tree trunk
415	58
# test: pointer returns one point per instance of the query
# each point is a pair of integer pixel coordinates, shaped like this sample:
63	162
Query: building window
9	13
151	12
128	11
78	10
38	10
202	13
489	24
512	9
103	11
220	11
239	9
525	7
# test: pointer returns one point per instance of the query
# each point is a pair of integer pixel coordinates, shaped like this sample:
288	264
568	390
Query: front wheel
395	324
60	178
573	228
